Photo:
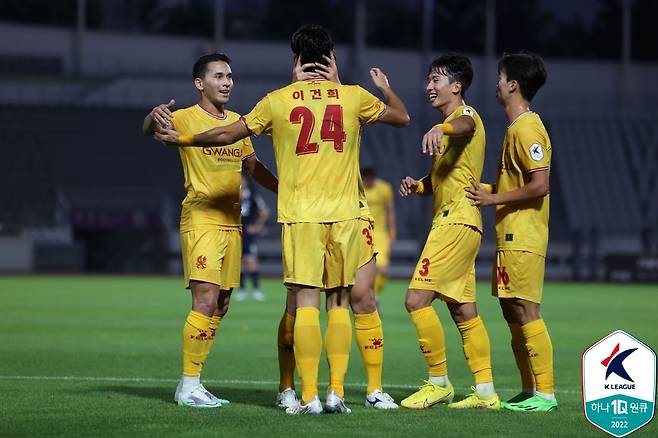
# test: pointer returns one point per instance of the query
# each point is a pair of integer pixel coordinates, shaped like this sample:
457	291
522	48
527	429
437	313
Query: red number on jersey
303	115
331	129
503	276
366	233
332	126
425	267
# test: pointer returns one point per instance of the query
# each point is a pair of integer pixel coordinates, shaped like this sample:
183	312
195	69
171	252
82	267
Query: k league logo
619	384
615	364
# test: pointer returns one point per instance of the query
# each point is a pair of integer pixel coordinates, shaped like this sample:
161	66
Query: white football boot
197	397
209	394
380	400
314	407
335	404
287	399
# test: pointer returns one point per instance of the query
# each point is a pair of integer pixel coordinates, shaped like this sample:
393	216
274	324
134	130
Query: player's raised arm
160	115
462	125
220	136
396	113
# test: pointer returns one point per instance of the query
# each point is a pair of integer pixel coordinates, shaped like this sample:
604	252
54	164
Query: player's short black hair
310	42
456	67
368	172
200	66
527	69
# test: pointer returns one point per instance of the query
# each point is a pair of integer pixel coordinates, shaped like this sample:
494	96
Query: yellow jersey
316	132
460	159
212	174
523	225
379	196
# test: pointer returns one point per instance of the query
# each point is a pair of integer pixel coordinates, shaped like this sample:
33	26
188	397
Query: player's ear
198	83
456	87
512	85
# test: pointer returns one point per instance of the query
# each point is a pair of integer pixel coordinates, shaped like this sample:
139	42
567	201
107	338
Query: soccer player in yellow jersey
522	201
210	217
446	267
316	126
367	323
379	194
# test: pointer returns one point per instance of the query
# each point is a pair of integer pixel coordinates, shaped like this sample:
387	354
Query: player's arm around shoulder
220	136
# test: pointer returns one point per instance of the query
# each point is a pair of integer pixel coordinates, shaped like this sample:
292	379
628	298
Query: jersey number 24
331	129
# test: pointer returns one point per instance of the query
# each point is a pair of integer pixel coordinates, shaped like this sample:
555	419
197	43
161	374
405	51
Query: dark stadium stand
87	168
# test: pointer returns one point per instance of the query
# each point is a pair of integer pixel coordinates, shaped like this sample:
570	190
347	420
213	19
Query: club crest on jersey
619	384
536	152
467	111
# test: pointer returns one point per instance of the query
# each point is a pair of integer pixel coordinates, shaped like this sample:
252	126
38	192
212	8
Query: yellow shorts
447	263
518	274
382	247
321	255
366	242
212	256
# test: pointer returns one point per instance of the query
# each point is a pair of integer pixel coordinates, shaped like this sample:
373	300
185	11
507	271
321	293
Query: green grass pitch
100	356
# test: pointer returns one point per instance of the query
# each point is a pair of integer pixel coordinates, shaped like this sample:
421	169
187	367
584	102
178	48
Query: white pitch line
221	382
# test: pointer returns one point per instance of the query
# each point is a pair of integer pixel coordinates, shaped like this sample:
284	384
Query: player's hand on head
162	114
379	78
431	143
300	72
478	194
408	185
330	70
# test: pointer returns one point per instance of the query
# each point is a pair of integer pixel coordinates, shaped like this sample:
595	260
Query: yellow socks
198	335
431	339
521	357
214	325
370	339
540	354
338	341
286	352
476	349
308	347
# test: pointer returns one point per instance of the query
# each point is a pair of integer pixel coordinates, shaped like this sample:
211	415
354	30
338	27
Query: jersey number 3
331	129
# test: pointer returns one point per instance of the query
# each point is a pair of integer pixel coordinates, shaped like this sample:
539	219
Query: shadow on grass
246	395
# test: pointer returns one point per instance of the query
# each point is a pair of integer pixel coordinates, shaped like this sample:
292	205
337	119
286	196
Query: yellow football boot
474	401
428	395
